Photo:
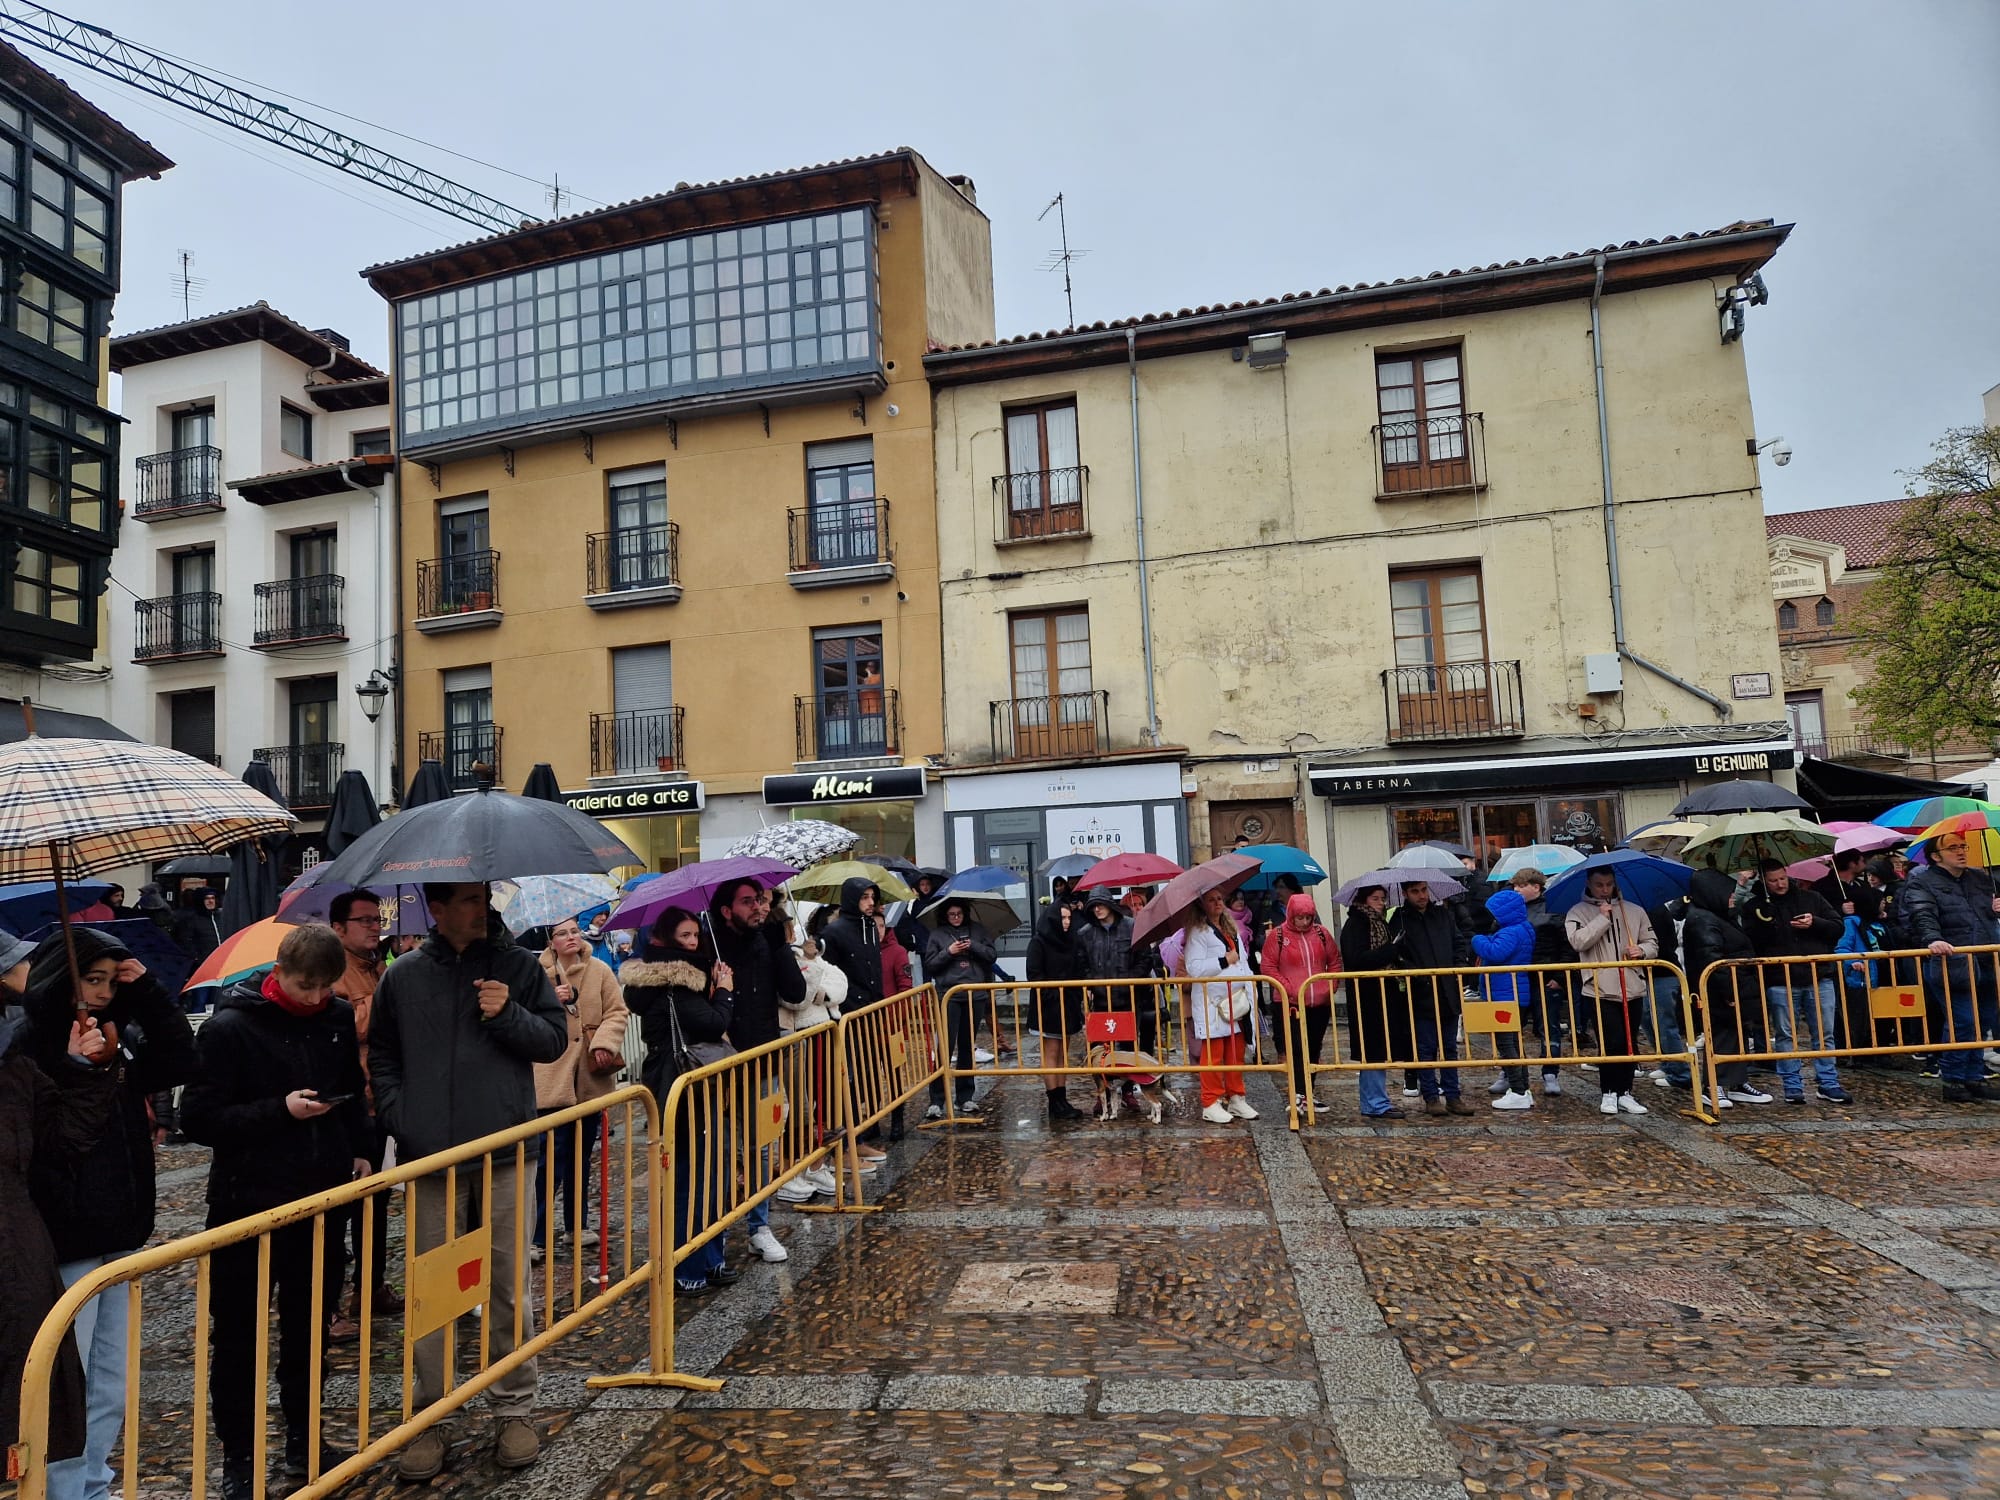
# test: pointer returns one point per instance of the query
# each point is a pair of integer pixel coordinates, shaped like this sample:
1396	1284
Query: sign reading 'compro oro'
830	788
637	801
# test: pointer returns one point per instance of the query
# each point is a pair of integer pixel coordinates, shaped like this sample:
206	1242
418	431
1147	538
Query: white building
252	591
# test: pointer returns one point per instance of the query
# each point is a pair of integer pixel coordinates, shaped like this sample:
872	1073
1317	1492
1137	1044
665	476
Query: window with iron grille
1044	470
1421	398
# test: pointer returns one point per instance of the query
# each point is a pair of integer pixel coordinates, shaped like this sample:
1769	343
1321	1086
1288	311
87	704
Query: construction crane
99	50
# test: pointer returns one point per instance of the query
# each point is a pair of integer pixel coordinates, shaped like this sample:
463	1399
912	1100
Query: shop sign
831	788
1386	783
1097	831
637	801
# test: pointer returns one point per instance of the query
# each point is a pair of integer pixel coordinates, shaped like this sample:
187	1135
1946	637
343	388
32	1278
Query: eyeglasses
364	922
1951	848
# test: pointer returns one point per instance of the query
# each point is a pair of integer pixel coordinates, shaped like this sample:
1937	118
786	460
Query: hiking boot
1457	1105
1434	1105
423	1459
516	1444
296	1450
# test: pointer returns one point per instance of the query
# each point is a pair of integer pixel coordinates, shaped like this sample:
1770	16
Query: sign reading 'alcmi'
638	801
888	784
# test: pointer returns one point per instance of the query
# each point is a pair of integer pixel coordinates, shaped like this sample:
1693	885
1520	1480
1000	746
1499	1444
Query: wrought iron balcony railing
1057	726
177	626
1041	504
639	739
291	610
470	753
465	584
842	535
858	724
636	558
1461	700
181	482
1424	457
305	773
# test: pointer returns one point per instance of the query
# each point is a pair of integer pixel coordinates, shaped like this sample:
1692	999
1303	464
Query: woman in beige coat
595	1007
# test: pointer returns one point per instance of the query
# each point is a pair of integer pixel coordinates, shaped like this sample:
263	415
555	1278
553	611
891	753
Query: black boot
296	1451
1060	1108
236	1483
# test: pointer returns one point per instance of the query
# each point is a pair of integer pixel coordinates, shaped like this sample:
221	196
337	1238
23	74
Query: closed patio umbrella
352	812
252	894
428	785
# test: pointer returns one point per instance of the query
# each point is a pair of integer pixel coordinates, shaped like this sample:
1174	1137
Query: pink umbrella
1138	868
1867	838
1223	873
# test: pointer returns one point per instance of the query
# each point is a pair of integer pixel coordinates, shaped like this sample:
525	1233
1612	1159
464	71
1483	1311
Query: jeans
1821	1021
1430	1036
1374	1091
100	1340
1664	1017
574	1196
695	1200
958	1030
1971	1004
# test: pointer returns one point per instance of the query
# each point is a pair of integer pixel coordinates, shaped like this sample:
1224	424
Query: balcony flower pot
665	762
482	599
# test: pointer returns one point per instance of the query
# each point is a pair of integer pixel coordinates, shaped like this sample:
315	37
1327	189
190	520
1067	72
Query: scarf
275	993
1378	930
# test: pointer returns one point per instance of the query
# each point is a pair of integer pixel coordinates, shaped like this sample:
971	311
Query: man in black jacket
1949	905
456	1029
850	945
279	1096
1728	1003
1788	919
1427	935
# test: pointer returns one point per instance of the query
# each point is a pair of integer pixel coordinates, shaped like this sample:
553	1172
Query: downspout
1139	525
374	492
1625	652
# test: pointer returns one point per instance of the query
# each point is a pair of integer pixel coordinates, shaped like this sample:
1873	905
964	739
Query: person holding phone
278	1094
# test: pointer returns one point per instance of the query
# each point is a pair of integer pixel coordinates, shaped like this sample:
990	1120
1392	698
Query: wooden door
1055	711
1442	679
1253	822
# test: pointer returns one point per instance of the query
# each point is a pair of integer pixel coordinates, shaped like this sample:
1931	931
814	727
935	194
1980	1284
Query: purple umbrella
692	887
1441	884
310	899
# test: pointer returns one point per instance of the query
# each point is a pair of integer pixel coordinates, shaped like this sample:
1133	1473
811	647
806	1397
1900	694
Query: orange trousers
1215	1087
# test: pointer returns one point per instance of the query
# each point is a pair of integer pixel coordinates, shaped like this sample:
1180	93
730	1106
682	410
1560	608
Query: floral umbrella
800	844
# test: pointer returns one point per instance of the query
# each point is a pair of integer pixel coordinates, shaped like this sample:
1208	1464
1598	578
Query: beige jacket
1601	939
598	1020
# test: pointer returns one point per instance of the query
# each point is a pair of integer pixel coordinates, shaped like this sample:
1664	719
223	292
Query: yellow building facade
668	517
1332	570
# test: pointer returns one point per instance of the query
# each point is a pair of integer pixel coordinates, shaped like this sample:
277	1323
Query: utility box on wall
1603	672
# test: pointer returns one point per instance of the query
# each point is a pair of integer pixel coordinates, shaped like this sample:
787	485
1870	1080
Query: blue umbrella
161	955
1281	859
33	904
978	878
1643	879
545	900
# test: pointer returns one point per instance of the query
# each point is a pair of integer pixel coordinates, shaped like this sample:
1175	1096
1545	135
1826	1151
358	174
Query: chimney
338	340
965	186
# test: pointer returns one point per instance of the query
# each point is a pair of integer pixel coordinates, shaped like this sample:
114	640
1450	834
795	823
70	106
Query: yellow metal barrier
734	1132
1578	1009
886	1054
443	1283
1110	1027
1898	1003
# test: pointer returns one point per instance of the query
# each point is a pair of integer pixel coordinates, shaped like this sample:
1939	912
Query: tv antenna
557	195
188	286
1060	259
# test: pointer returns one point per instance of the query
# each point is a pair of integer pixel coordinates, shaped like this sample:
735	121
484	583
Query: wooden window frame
1424	473
1050	517
1052	723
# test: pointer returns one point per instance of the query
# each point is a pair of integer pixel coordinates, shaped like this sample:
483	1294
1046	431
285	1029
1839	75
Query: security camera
1781	453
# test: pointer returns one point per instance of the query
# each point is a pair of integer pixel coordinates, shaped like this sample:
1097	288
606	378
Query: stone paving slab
1539	1174
1573	1405
1947	1167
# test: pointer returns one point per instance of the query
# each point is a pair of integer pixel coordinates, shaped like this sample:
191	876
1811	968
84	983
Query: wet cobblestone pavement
1804	1302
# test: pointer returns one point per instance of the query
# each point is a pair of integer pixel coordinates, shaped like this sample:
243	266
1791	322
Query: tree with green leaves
1931	622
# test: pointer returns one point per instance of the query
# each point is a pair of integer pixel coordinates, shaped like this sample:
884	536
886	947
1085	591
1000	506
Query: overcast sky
1207	152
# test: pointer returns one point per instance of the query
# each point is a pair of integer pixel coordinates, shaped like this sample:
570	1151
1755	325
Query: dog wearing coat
1139	1072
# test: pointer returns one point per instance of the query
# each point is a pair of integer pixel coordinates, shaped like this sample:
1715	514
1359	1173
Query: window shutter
859	450
642	677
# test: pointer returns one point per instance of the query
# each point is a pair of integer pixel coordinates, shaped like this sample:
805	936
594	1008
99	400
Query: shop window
1589	820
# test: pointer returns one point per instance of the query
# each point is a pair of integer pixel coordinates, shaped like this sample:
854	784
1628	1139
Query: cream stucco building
1332	569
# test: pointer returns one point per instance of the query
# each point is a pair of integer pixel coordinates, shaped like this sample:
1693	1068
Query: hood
247	994
1508	909
48	966
649	971
150	899
1300	905
1711	891
1049	927
13	950
13	1028
850	895
1102	896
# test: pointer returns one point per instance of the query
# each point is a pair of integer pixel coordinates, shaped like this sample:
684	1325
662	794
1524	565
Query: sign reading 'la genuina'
637	801
830	788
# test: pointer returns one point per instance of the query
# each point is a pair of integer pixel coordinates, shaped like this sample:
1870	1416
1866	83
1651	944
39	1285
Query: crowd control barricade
1529	1016
732	1132
445	1284
886	1053
1109	1027
1905	1002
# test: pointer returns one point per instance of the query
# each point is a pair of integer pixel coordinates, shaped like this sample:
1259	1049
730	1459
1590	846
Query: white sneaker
1413	1093
935	1112
1608	1105
981	1057
1512	1100
1588	1067
1215	1114
796	1191
1747	1095
821	1180
767	1247
1659	1076
1238	1106
588	1239
1630	1105
1552	1083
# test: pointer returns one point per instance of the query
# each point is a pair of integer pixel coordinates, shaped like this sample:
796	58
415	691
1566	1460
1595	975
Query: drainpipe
374	492
1625	652
1139	524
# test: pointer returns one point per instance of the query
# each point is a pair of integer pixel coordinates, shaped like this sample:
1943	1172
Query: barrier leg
660	1300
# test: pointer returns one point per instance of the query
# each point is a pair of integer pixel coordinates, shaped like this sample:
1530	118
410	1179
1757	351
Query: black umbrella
196	864
542	783
428	785
253	864
352	812
1739	796
488	835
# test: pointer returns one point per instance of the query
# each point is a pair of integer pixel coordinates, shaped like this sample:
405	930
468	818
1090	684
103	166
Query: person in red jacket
895	958
1294	950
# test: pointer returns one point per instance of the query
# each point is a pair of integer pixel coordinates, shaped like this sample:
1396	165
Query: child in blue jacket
1511	945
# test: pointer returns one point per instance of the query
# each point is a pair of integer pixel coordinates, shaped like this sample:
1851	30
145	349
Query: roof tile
1861	531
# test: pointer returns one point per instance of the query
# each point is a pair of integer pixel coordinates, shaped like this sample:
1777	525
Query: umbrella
802	843
1281	859
904	869
1456	851
1393	880
1869	838
1981	830
33	903
1666	838
1740	796
691	888
1130	869
427	786
982	878
484	836
1069	866
1426	857
994	913
241	954
1224	873
252	893
1744	840
1910	816
163	957
310	899
542	784
1550	859
823	882
545	900
1643	879
351	813
206	865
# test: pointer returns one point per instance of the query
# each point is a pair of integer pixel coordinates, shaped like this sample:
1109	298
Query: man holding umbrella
1605	928
1788	919
1427	935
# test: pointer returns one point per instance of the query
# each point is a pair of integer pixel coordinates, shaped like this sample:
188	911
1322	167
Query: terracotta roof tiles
1861	531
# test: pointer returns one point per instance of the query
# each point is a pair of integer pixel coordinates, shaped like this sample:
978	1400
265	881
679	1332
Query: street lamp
375	691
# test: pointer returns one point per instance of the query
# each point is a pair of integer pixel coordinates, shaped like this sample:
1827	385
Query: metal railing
639	739
301	609
859	723
1856	747
457	585
305	773
177	625
1059	724
636	557
177	482
470	753
843	534
1465	700
1415	457
1041	503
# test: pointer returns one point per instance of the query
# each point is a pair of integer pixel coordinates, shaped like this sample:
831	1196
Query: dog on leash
1150	1095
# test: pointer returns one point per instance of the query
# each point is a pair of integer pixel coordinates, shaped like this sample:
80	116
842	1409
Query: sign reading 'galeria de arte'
830	788
638	801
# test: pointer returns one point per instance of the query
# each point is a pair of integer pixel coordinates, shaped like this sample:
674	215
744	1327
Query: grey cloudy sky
1208	152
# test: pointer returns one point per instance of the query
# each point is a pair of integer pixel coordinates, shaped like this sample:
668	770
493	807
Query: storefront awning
1839	791
1554	761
